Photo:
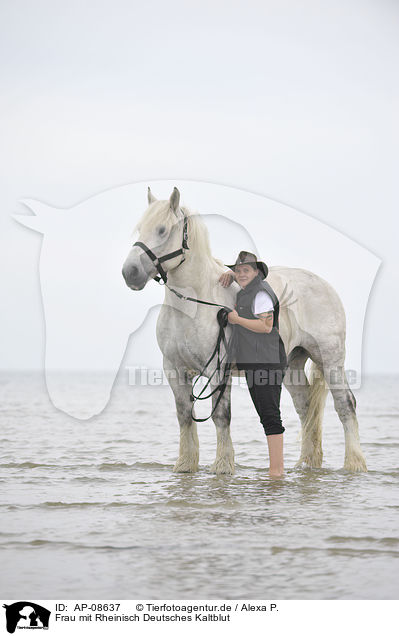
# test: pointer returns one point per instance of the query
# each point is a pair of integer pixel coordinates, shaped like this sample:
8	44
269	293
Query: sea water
92	509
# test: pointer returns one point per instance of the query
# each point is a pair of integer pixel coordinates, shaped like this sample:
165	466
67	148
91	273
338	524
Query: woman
259	349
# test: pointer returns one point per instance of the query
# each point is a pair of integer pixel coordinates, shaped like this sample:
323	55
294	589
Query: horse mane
198	235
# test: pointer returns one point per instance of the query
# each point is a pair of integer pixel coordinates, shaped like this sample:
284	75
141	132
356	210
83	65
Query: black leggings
265	388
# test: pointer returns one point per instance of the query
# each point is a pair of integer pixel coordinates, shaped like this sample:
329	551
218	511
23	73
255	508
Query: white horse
312	325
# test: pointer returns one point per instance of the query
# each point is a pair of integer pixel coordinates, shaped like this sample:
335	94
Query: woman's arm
267	319
263	324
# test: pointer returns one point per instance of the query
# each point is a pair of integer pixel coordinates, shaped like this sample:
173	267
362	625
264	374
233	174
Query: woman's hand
226	279
233	317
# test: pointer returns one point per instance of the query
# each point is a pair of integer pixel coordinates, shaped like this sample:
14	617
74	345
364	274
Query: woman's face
244	274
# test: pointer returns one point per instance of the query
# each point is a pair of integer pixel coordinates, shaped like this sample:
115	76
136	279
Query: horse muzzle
135	278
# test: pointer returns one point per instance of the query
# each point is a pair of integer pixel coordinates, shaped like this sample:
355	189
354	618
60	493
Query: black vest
258	350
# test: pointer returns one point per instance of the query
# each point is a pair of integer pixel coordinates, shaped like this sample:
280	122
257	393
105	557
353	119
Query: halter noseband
158	260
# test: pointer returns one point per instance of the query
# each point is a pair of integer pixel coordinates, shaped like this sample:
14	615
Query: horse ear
150	196
43	219
31	222
175	200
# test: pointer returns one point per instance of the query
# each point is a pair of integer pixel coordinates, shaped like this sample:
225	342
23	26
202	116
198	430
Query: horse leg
187	461
345	406
309	400
224	462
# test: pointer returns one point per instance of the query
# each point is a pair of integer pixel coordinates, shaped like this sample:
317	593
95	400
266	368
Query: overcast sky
294	101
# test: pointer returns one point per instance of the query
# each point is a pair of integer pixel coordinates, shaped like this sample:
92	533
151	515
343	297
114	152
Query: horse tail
311	451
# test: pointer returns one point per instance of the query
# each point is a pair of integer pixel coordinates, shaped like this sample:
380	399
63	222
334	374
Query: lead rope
222	320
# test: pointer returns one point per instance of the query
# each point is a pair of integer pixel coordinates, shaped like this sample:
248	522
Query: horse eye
161	229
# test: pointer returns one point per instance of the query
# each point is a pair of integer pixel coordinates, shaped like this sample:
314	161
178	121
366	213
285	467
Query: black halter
158	260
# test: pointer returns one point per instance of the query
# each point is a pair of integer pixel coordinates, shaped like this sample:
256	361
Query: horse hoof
310	462
356	465
185	467
222	468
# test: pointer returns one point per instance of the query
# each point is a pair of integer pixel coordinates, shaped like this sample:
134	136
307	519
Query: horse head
162	242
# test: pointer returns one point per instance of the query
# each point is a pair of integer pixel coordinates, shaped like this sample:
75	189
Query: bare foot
276	473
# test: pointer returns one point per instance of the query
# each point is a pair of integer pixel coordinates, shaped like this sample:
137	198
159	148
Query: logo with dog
26	615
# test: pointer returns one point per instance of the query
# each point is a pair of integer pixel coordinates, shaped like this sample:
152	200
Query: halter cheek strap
158	260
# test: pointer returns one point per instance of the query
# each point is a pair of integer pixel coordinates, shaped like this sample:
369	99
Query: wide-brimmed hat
250	259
